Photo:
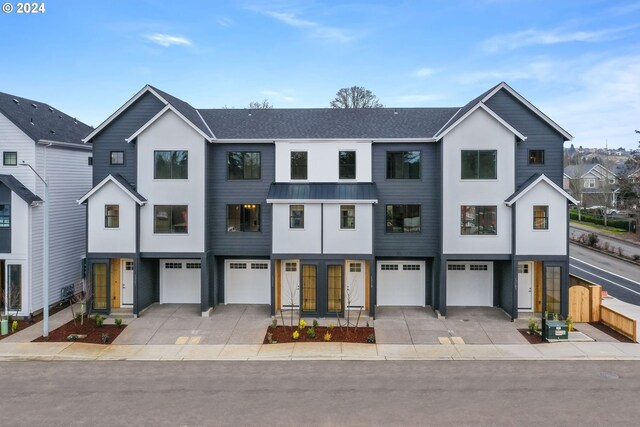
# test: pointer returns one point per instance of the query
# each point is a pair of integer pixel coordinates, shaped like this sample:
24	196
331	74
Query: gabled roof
532	182
17	187
40	121
322	191
578	171
479	106
118	180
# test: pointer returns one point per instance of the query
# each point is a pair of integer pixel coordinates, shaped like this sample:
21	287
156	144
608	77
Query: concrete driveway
183	324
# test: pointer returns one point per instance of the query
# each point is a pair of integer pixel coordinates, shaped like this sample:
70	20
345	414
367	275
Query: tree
355	97
260	105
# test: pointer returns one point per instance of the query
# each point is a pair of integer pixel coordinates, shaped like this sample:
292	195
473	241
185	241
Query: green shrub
592	239
72	337
315	323
533	326
104	338
311	332
118	322
371	339
616	223
99	321
274	322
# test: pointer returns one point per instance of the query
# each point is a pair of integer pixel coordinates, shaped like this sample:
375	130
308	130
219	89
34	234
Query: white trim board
102	183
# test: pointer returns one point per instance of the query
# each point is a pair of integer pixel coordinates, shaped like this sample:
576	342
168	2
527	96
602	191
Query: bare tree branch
355	97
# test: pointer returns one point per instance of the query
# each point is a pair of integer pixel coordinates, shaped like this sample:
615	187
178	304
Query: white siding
347	241
541	242
171	133
13	139
322	160
122	239
479	131
305	240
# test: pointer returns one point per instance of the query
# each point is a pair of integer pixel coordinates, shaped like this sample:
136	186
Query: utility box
556	330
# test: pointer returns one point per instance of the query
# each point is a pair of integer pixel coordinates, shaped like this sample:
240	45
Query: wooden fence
618	322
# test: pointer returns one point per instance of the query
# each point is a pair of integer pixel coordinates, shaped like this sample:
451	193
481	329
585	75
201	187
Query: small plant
327	336
592	239
302	324
14	326
72	337
371	339
315	323
330	326
104	338
311	332
274	322
636	257
367	323
295	335
99	321
118	322
532	327
569	323
270	339
78	317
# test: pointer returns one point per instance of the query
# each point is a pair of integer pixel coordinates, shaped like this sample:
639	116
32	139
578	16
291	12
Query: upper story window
243	217
403	218
171	219
347	164
243	165
612	180
403	165
536	157
10	158
589	183
478	220
5	216
171	164
296	216
541	217
117	157
347	217
111	216
479	164
298	165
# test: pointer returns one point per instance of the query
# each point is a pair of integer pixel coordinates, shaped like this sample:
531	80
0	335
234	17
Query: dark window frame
347	222
406	170
244	154
6	155
477	219
5	216
111	158
299	167
245	216
344	169
403	212
478	165
172	227
533	159
171	165
292	220
107	217
541	222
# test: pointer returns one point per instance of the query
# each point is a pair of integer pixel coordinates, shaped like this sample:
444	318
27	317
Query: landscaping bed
89	332
284	334
607	330
25	323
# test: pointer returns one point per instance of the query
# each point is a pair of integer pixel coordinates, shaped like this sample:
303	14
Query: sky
576	60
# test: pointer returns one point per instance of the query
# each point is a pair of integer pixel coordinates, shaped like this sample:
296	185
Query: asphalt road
310	393
619	278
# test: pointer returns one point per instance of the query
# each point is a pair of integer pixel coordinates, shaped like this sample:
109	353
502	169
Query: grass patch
612	230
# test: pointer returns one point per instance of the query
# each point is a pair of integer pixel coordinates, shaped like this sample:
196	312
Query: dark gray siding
540	136
424	191
147	283
112	138
5	233
504	286
222	192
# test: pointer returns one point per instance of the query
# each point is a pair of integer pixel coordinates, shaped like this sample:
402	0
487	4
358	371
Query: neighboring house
328	210
591	184
34	133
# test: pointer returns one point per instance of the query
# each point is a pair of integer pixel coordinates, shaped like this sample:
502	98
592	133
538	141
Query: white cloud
314	28
423	73
167	40
279	95
223	21
531	37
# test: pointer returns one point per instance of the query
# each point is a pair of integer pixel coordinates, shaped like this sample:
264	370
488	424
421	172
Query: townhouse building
327	210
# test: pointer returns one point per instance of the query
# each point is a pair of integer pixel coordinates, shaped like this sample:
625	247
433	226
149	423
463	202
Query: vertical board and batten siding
69	177
425	191
221	192
112	138
540	136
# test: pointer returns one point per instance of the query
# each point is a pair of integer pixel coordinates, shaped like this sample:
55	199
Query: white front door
354	285
290	286
126	282
525	286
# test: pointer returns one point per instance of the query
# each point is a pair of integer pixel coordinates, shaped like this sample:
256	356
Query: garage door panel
180	281
401	283
247	282
470	284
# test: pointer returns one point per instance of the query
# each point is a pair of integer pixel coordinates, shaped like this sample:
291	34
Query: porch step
123	313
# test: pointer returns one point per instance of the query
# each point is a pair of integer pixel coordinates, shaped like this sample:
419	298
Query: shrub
592	239
303	324
295	335
14	326
311	332
104	338
72	337
615	223
327	336
371	339
330	326
99	321
78	317
274	322
533	326
118	322
270	339
315	323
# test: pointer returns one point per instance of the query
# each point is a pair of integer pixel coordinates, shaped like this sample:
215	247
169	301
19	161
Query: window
173	265
403	218
5	217
237	266
298	165
290	266
243	165
456	267
478	220
389	267
171	219
117	157
259	266
10	158
541	217
536	157
90	161
194	265
243	217
478	267
171	164
411	267
111	216
553	276
355	267
403	165
479	164
347	164
347	217
589	183
296	216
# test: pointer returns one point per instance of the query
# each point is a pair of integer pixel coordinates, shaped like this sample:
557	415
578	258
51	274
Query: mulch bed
607	330
89	328
25	323
283	334
533	339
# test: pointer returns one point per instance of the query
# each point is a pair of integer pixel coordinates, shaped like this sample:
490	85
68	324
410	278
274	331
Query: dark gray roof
326	123
573	171
464	110
43	122
128	186
323	191
16	186
523	187
185	109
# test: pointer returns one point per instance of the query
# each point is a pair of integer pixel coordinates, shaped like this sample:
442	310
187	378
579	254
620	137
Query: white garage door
401	283
180	281
470	284
247	281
